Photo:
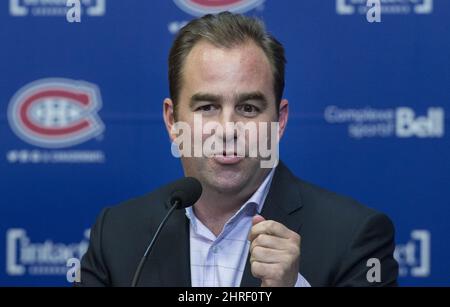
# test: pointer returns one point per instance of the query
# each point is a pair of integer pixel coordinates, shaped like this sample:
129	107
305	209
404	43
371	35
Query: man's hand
274	253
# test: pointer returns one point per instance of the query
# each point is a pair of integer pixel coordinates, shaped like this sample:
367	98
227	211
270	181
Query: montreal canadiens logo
56	113
201	7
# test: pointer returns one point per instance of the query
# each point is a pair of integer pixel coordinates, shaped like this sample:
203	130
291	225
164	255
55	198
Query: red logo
202	7
56	113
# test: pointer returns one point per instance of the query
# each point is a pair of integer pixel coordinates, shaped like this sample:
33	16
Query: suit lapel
282	205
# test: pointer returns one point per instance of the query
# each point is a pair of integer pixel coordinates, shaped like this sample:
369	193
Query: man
252	226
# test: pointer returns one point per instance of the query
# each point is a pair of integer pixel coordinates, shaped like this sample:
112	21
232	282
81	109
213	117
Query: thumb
257	219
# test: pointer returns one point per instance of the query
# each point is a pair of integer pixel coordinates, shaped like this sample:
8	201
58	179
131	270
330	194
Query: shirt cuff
302	282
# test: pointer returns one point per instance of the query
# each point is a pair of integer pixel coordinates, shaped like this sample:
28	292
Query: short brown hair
225	30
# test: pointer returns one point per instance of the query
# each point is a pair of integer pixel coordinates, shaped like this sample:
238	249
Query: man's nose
228	119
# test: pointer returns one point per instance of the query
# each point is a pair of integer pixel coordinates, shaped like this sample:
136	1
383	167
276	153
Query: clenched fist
274	253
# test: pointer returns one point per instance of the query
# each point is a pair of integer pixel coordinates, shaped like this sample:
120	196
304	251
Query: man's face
226	86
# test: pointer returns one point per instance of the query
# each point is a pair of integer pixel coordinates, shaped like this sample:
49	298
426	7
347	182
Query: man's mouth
227	158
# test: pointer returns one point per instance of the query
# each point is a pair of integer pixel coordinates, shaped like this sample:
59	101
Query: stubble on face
226	74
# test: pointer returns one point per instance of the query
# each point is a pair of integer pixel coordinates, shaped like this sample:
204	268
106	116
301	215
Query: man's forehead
209	59
212	69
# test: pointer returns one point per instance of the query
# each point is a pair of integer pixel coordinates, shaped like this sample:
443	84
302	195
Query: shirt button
215	249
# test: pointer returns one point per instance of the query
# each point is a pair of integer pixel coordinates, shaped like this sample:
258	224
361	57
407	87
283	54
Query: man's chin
228	178
224	176
226	186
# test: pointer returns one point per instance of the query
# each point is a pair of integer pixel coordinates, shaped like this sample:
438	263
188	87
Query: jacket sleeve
369	259
94	271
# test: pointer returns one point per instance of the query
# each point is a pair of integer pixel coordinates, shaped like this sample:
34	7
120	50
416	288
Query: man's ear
283	112
168	116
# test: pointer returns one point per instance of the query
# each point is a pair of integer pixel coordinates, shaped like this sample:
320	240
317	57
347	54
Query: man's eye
206	108
248	109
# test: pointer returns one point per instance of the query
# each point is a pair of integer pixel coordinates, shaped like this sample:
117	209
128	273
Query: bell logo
429	126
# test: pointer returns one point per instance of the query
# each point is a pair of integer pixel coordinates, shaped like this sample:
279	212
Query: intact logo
396	7
45	258
201	7
414	256
45	8
56	113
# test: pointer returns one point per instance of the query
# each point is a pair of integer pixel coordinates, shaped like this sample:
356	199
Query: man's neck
214	209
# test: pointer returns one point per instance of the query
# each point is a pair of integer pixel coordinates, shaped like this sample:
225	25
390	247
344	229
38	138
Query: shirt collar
260	194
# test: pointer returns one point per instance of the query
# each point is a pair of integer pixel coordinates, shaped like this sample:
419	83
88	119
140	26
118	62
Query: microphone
184	193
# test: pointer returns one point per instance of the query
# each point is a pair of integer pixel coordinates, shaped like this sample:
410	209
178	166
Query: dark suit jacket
338	237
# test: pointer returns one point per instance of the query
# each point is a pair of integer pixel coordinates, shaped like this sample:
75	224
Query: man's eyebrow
252	96
242	97
204	97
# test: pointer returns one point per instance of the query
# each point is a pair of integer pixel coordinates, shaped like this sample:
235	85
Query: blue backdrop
368	104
